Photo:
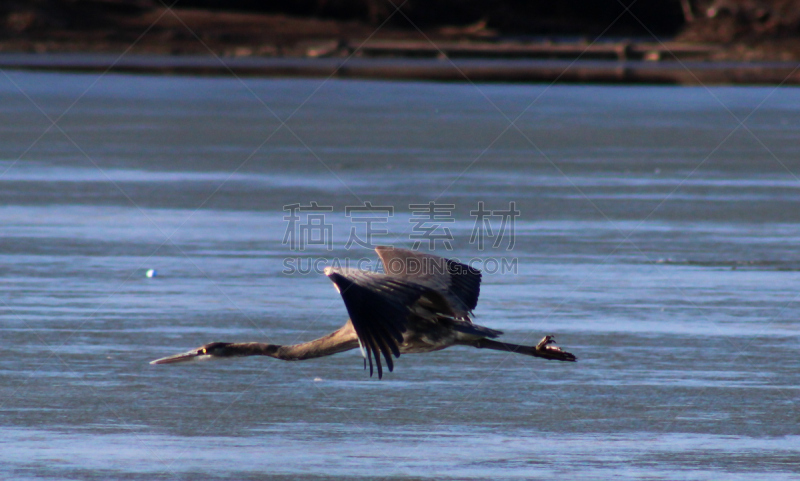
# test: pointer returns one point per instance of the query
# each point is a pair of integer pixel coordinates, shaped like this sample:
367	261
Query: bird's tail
474	329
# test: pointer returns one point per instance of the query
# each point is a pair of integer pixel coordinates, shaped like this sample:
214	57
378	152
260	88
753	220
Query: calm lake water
657	237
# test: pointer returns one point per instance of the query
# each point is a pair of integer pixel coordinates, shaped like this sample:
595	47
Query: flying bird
420	303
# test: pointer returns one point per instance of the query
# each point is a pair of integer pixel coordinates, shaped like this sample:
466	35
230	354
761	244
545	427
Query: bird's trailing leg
545	349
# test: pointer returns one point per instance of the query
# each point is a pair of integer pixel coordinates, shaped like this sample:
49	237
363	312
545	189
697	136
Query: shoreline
196	41
689	72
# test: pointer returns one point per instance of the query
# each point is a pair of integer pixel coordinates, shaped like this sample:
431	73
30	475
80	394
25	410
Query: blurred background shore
676	41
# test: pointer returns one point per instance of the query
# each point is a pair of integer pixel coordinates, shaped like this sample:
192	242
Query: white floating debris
317	379
151	273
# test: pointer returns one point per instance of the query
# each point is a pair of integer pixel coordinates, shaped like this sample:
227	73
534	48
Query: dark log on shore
600	50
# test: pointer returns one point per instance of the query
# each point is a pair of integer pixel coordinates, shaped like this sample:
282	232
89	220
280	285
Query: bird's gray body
420	303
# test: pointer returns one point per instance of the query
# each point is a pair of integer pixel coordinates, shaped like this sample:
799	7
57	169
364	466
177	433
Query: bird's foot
547	350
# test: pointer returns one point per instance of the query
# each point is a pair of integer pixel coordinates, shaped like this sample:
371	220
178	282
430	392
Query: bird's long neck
341	340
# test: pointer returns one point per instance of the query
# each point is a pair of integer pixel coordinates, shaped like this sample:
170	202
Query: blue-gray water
658	239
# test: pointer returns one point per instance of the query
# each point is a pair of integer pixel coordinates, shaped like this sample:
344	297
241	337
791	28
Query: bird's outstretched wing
379	307
459	283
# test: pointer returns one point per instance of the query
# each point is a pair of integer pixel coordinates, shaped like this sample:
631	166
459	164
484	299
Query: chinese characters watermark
367	215
309	229
368	226
483	226
428	219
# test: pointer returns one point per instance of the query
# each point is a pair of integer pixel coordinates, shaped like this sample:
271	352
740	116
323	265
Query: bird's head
212	350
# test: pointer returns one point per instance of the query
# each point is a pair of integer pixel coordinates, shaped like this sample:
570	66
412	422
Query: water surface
657	238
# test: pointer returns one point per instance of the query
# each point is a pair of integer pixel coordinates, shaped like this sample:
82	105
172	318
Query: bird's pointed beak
188	356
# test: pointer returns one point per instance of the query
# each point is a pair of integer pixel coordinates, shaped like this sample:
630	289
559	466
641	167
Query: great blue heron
421	303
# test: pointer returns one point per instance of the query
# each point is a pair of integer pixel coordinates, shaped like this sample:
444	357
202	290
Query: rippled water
657	238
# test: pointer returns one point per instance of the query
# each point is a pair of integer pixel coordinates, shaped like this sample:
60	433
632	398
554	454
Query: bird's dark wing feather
379	308
459	283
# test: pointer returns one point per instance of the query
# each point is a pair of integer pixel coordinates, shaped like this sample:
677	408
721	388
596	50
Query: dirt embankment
735	29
